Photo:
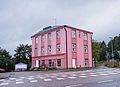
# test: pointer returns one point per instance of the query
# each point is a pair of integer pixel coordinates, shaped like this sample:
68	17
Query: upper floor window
86	49
73	47
43	39
36	40
58	47
42	50
73	34
85	36
58	34
49	48
49	36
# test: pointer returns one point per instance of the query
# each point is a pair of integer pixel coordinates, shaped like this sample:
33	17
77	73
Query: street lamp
112	54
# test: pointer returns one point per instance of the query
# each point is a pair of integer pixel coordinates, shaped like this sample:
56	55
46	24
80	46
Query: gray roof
46	29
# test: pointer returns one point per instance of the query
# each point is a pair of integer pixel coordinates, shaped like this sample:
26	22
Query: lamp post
112	54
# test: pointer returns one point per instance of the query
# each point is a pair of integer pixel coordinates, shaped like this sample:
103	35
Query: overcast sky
19	19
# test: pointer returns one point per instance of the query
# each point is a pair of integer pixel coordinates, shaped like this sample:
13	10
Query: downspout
66	47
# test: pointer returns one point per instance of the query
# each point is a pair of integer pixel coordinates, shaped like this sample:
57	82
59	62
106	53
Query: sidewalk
4	75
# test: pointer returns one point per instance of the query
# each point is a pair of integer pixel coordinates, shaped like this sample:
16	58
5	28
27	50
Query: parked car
2	70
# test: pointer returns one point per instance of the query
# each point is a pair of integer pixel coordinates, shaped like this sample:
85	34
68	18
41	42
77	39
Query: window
58	34
49	48
58	62
86	49
85	36
42	50
43	62
86	62
36	40
43	39
73	34
36	51
50	63
49	36
58	47
73	47
79	34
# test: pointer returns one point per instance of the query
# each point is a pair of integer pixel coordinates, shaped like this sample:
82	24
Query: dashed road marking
83	76
19	79
78	85
47	80
71	77
59	78
93	75
30	78
22	77
105	81
104	74
12	78
34	81
3	84
19	82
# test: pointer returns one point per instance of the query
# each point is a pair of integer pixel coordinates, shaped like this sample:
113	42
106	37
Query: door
37	63
73	63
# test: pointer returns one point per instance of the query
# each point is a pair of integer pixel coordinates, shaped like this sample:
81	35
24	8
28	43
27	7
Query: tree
23	54
6	60
96	50
103	51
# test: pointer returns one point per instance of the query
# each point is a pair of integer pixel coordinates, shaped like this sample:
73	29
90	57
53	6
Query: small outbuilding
20	67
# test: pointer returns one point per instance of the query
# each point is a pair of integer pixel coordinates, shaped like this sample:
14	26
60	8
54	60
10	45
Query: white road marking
12	78
59	78
52	76
47	80
71	77
93	75
19	82
2	79
34	81
83	76
42	77
19	79
30	78
74	85
3	84
105	81
104	74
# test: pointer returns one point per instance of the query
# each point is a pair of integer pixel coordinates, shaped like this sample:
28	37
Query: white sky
19	19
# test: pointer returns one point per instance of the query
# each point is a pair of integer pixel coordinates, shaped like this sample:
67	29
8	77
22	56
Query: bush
113	64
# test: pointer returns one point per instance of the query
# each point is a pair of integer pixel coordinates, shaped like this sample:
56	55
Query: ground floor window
49	63
43	62
86	62
58	62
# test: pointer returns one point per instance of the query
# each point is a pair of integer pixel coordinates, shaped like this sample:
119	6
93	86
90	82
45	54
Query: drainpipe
66	47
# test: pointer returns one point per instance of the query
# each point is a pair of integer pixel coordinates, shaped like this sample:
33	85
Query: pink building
62	47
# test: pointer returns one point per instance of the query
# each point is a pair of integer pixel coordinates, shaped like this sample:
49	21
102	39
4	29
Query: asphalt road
90	78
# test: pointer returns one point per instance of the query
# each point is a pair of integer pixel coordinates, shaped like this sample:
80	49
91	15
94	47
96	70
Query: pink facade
62	47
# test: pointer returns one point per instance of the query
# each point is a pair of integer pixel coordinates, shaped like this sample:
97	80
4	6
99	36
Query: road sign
113	55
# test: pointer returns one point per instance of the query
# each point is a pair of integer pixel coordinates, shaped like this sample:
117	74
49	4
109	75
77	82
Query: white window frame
42	50
58	47
58	34
43	39
85	36
49	48
36	40
49	36
73	33
73	47
85	48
